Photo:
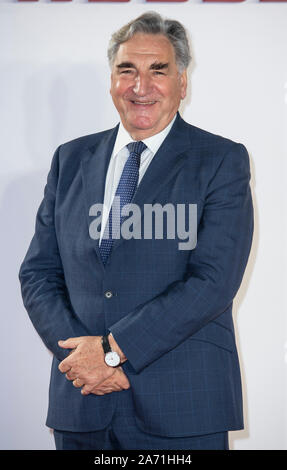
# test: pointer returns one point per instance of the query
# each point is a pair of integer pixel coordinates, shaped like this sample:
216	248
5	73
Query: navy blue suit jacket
171	309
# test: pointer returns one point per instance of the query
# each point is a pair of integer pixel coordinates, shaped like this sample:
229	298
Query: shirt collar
153	142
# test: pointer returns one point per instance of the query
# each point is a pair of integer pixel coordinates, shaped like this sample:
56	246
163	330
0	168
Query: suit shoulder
84	142
212	149
201	137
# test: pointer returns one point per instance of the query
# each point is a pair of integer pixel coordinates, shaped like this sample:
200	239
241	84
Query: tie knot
137	147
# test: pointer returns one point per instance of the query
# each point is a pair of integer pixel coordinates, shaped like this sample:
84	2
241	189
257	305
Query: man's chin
142	123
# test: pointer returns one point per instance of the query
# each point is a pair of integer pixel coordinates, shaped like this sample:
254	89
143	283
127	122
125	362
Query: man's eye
158	72
126	71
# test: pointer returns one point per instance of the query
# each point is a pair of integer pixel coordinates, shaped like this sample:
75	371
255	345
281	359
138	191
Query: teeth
148	102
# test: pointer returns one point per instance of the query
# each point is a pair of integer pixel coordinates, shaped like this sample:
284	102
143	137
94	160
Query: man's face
146	86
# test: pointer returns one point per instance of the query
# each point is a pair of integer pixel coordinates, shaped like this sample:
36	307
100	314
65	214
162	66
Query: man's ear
111	83
183	79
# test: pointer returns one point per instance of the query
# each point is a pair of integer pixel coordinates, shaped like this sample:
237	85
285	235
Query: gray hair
153	23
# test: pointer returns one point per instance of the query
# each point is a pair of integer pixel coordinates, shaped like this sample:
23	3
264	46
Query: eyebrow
159	66
126	65
154	66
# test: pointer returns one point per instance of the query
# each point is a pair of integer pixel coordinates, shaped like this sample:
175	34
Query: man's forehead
145	45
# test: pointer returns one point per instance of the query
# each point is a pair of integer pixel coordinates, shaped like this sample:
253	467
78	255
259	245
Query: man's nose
142	85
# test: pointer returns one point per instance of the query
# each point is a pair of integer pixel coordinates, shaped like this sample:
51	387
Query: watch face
112	359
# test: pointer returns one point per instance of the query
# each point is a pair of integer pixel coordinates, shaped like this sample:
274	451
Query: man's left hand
85	364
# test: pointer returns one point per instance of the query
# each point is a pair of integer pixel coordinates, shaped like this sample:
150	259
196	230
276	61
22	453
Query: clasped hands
86	368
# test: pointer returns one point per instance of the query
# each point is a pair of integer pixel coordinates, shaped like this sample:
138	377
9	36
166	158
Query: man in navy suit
140	326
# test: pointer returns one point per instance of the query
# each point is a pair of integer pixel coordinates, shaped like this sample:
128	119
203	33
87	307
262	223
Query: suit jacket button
108	294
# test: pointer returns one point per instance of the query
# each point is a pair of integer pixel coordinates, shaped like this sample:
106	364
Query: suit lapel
164	164
95	162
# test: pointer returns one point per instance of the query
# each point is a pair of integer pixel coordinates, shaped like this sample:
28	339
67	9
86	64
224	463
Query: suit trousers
123	433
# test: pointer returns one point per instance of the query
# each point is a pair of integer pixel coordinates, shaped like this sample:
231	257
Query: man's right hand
115	383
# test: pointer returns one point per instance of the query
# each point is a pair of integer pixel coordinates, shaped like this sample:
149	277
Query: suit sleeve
42	278
215	270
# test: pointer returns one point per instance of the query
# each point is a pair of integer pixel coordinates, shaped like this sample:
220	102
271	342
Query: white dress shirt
117	162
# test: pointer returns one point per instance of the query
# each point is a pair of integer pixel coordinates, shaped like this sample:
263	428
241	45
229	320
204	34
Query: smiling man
142	332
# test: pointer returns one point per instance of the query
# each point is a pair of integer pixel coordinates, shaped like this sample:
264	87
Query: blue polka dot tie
124	194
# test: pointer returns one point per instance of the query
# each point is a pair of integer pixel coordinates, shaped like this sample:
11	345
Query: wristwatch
112	358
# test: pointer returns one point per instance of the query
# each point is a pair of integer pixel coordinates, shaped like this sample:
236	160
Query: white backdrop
54	86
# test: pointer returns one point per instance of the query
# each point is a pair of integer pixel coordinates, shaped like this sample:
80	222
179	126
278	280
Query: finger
107	387
67	364
125	383
97	391
123	380
71	375
86	389
116	382
94	379
120	386
100	391
111	385
78	383
64	366
70	343
110	388
126	386
71	352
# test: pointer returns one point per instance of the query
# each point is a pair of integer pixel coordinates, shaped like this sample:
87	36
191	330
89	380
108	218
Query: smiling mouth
143	103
